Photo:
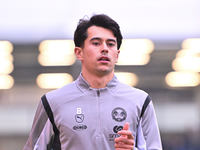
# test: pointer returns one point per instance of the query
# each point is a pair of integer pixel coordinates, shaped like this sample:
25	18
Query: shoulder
125	89
63	94
130	93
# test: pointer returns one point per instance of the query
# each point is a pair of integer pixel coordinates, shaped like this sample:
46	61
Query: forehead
95	31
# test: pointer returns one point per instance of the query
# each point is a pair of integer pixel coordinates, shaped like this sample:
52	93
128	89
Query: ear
78	52
117	56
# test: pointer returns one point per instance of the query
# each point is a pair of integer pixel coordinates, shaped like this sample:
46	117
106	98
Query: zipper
98	93
99	113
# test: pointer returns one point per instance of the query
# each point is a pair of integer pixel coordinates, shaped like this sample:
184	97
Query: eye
96	43
111	44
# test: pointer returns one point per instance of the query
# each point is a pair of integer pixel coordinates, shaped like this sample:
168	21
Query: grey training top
83	118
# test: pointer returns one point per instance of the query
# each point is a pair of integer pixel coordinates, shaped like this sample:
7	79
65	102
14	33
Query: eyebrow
98	38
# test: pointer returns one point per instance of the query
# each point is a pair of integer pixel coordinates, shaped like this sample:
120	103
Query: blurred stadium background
160	54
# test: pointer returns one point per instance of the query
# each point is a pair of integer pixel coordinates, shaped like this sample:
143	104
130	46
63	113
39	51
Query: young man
95	112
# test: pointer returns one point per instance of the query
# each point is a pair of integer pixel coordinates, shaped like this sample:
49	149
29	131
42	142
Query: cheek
116	57
90	56
116	60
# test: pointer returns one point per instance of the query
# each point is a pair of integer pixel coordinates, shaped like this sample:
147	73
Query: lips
103	58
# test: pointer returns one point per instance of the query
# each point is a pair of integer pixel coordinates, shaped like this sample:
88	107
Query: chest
93	116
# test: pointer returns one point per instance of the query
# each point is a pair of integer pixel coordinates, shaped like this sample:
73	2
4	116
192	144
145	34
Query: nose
104	49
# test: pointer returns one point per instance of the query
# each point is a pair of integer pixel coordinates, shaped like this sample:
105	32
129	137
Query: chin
105	71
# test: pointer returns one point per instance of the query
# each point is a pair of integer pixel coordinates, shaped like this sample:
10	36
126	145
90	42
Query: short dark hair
100	20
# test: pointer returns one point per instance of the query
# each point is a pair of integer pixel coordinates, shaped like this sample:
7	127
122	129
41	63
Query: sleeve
148	131
41	131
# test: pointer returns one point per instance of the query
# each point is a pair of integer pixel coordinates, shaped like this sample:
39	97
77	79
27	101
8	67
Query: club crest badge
119	114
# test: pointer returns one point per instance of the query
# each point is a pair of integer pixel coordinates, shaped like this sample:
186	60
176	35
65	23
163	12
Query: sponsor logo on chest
79	117
118	114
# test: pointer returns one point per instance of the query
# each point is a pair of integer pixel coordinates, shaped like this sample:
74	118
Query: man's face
100	53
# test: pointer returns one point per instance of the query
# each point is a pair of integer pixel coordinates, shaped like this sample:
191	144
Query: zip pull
98	93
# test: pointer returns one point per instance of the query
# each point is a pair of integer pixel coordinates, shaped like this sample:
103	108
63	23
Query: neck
97	82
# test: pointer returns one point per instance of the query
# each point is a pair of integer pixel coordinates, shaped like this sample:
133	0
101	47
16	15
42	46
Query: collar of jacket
83	85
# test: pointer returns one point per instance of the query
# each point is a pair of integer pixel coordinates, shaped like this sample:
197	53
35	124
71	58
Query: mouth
104	58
